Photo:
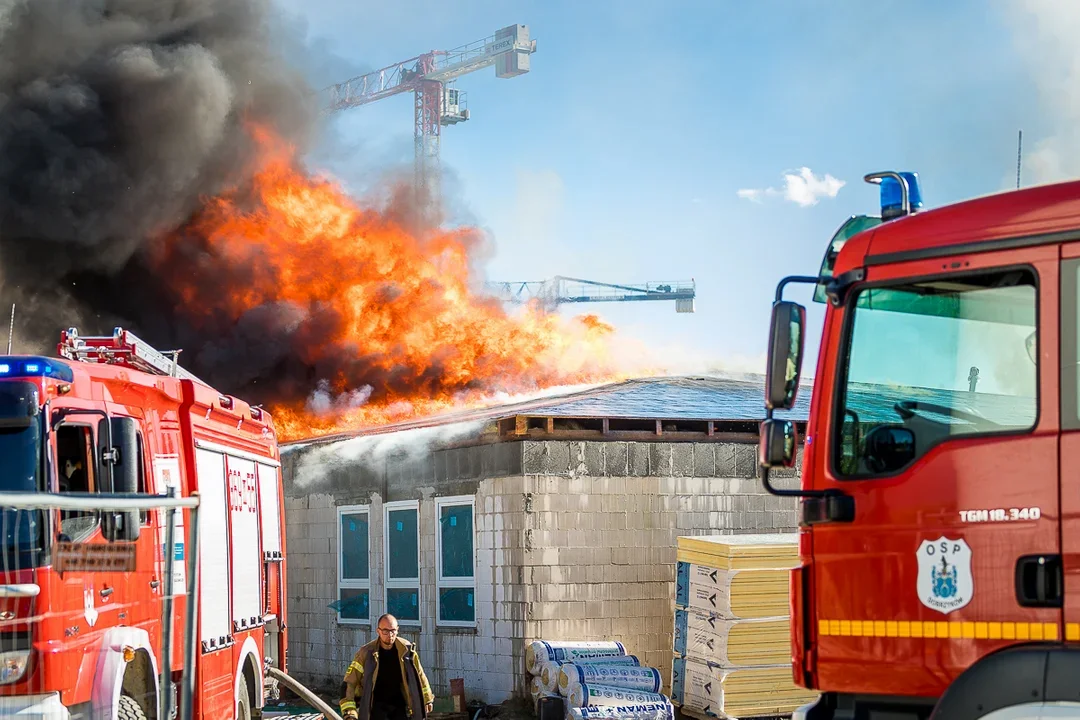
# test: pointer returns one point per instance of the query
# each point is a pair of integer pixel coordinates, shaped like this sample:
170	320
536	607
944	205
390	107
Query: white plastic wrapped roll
645	679
549	677
583	695
569	676
542	651
643	711
536	689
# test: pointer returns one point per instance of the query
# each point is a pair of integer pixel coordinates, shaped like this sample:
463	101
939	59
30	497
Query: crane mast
561	289
430	77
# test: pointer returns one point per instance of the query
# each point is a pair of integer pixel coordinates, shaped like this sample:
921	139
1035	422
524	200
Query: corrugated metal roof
672	398
657	398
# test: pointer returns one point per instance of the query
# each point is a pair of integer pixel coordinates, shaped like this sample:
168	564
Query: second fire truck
939	546
82	594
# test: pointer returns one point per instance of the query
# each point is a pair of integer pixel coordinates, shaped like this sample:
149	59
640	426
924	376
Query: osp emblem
945	583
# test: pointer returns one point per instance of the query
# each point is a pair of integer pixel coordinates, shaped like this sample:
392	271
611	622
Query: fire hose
294	685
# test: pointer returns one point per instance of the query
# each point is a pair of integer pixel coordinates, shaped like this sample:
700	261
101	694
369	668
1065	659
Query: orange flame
401	332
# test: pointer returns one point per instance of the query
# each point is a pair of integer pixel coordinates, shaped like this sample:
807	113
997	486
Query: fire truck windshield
931	360
20	467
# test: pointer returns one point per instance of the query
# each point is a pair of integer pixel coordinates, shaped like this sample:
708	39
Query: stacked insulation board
732	642
596	681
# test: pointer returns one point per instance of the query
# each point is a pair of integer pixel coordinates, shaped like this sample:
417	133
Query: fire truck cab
939	536
82	593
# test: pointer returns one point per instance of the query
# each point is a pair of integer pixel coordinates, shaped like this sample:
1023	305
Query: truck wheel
243	703
129	709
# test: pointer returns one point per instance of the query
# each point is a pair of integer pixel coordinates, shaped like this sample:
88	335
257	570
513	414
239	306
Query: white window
455	550
354	579
402	544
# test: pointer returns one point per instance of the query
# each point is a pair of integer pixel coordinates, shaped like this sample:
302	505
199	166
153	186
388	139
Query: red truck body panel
77	611
858	625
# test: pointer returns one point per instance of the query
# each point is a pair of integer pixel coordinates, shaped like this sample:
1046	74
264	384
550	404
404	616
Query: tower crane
431	77
561	289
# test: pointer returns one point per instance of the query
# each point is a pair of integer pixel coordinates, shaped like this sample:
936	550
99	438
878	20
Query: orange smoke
387	325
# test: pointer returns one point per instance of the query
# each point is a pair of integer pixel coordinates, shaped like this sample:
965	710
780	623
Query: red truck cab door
1070	437
940	387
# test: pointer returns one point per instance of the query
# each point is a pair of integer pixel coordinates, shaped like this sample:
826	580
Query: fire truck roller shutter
244	542
213	536
269	506
1010	682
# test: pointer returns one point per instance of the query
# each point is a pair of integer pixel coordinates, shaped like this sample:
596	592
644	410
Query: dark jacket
359	683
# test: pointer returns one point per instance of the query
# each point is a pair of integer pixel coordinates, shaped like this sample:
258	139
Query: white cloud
1045	34
802	188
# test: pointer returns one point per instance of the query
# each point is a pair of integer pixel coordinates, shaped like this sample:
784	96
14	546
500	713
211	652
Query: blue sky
619	157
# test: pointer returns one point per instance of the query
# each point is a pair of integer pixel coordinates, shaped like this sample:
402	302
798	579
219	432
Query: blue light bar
892	199
11	366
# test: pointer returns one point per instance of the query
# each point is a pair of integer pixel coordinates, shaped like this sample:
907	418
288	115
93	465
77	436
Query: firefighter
385	680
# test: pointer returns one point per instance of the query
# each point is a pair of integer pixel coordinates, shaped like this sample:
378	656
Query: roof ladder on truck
122	348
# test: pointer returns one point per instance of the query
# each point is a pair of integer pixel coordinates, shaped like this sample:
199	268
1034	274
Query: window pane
456	605
353	604
456	525
354	546
404	560
404	604
940	358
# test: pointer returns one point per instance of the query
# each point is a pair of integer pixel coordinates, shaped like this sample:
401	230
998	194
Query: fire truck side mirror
778	440
786	343
118	472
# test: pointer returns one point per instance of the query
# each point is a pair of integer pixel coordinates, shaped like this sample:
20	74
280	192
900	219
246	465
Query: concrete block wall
576	542
601	528
320	647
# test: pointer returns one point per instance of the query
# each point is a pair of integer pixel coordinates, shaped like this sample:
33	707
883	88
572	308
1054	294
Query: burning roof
154	179
684	399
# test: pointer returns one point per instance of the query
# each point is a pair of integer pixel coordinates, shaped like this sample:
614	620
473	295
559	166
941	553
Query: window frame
350	584
453	582
840	370
402	583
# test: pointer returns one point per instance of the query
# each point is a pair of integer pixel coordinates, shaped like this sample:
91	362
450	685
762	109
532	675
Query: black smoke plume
117	119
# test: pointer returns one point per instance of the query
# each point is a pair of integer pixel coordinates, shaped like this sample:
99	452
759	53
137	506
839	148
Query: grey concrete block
515	458
548	457
660	459
725	460
577	459
704	460
595	457
639	459
441	464
746	465
682	459
495	460
616	459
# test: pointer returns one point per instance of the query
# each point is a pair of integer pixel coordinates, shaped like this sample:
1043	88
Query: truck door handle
106	592
154	584
1039	581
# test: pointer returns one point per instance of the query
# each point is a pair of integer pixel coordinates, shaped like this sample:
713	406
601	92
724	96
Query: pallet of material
709	689
735	594
706	636
740	552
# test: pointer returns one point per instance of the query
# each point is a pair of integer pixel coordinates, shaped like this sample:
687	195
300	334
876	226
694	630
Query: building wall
601	533
573	540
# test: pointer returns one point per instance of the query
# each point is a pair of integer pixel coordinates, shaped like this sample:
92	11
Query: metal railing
39	529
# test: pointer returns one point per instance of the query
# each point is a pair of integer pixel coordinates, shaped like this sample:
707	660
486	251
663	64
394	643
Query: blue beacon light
892	205
35	367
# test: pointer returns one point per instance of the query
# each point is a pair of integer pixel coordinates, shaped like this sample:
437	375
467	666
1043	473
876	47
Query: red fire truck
83	598
939	536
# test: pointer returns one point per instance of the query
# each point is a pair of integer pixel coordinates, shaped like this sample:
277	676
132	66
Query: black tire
243	702
129	709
